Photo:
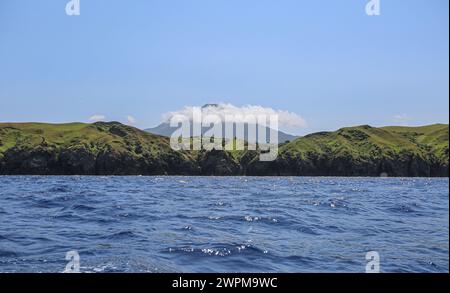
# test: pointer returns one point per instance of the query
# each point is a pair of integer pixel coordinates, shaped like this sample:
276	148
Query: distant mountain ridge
164	129
111	148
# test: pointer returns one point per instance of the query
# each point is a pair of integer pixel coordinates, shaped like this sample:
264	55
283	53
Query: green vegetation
115	149
432	138
365	150
78	148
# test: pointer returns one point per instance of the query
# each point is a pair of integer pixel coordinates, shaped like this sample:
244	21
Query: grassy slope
72	134
365	143
432	137
94	138
361	139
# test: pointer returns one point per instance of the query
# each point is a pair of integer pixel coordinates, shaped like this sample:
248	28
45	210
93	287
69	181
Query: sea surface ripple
223	224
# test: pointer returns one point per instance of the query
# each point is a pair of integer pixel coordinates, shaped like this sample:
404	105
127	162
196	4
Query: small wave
121	235
82	207
403	209
300	259
45	203
59	189
69	216
261	219
226	218
107	268
220	250
251	219
7	253
307	230
269	220
332	228
214	217
220	204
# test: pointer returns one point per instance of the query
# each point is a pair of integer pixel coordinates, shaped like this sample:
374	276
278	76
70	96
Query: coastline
111	148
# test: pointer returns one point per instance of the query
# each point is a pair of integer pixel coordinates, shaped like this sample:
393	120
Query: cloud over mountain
285	118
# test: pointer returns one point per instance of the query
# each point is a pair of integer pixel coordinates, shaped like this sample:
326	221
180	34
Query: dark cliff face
408	166
116	149
218	163
55	161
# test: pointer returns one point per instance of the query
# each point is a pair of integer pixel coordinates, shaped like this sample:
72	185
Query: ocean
223	224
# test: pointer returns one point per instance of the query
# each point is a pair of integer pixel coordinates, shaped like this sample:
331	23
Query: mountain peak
210	106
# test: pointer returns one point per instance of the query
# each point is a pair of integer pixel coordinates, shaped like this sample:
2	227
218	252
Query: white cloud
402	119
97	117
285	118
131	119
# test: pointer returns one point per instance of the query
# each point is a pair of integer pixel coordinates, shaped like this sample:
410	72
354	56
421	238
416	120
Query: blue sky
325	60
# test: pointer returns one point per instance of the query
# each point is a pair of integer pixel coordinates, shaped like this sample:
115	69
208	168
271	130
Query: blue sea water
223	224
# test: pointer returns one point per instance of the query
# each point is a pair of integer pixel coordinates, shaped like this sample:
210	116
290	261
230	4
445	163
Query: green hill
115	149
364	151
78	148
